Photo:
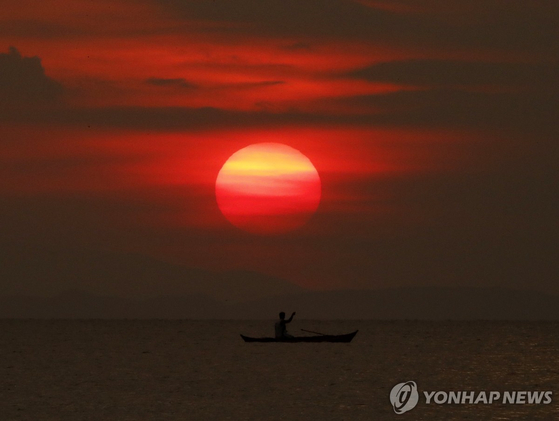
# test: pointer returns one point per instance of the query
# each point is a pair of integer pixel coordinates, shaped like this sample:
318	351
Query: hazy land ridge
428	303
134	276
104	285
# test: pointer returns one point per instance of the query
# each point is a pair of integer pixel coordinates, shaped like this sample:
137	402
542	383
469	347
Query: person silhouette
281	329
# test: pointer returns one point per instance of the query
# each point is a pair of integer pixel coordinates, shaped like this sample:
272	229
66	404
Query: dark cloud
250	85
35	28
23	81
169	118
183	83
438	73
530	113
178	82
509	26
311	17
454	108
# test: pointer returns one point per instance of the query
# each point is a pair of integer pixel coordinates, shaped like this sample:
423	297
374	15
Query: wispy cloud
177	82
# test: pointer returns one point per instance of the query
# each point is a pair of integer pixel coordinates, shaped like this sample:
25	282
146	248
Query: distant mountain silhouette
134	276
428	303
81	305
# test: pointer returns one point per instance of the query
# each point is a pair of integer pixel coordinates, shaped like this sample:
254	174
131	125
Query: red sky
432	124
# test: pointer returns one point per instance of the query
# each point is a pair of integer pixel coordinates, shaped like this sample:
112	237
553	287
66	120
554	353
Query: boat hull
322	338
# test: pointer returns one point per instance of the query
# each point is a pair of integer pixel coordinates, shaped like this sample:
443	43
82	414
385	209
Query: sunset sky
433	126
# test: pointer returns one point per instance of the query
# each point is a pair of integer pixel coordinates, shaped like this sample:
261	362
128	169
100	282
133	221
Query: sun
268	188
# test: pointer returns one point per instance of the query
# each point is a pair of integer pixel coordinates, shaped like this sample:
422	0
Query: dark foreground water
194	370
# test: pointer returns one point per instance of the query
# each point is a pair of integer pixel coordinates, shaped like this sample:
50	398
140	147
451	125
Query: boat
319	338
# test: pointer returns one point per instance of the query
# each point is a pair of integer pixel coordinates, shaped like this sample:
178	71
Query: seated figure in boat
281	329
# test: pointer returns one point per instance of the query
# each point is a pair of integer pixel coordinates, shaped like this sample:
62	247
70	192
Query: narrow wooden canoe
319	338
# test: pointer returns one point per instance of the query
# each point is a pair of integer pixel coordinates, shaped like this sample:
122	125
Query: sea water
202	370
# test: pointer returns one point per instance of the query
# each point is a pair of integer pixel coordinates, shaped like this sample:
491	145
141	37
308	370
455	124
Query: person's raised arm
291	318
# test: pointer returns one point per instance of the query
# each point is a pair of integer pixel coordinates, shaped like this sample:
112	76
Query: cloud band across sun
268	188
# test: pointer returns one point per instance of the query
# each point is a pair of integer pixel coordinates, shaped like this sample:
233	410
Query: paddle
317	333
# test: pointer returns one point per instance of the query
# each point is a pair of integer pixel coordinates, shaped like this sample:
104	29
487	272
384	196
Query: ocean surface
202	370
